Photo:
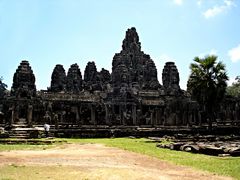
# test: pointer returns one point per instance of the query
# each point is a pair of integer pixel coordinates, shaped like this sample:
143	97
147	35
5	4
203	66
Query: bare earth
97	161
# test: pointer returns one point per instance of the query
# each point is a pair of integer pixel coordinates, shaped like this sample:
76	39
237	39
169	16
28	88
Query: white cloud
234	54
213	11
231	81
227	4
199	2
211	52
178	2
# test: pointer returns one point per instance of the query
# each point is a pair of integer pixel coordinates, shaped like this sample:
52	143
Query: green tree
207	83
2	88
234	89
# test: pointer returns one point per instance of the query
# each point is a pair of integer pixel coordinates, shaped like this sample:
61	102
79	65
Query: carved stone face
121	75
124	78
174	78
170	76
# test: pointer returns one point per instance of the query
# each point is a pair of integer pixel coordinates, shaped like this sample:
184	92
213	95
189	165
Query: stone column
12	109
106	115
190	118
185	117
77	115
158	116
16	114
55	119
61	116
199	118
122	119
29	115
93	118
151	120
80	116
178	120
134	115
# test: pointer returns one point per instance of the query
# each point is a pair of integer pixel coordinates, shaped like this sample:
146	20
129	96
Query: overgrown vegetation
234	89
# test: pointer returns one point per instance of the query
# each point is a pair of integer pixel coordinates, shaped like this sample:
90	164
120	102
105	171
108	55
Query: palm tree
207	83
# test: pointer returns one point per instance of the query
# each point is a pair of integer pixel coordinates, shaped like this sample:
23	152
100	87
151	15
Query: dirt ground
100	162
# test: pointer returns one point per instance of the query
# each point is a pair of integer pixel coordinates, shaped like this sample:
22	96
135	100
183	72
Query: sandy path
101	162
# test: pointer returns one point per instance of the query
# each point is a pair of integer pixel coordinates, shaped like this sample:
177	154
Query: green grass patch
28	144
11	147
227	166
13	172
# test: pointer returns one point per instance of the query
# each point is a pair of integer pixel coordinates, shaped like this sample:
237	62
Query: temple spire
131	41
24	81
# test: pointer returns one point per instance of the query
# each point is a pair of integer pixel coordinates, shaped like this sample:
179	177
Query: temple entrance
22	113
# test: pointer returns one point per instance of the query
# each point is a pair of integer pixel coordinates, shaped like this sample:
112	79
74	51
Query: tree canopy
207	82
234	89
2	87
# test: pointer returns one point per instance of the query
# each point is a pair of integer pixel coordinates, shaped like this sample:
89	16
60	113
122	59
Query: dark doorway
22	113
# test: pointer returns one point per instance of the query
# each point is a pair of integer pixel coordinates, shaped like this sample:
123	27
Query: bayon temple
129	96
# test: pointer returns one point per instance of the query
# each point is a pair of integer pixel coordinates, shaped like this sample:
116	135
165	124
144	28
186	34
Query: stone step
22	119
19	136
21	122
24	125
19	132
20	125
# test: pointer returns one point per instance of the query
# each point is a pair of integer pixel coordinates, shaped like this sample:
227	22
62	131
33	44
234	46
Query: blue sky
50	32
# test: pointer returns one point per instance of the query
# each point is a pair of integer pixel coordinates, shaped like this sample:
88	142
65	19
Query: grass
227	166
32	144
12	172
8	147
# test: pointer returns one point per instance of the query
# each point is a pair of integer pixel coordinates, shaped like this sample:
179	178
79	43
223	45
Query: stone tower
170	78
90	73
94	80
23	81
58	79
74	79
105	76
131	67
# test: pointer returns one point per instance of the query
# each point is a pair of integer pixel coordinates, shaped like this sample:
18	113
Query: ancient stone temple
129	96
23	81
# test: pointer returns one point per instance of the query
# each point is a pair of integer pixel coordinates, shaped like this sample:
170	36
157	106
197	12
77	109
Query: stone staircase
20	129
